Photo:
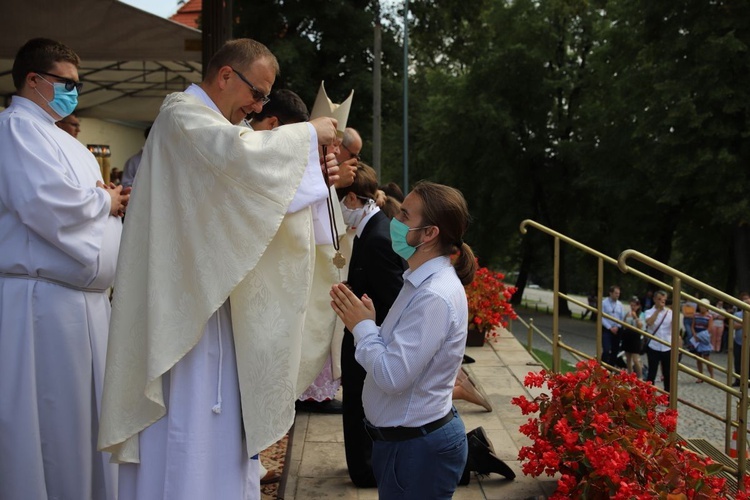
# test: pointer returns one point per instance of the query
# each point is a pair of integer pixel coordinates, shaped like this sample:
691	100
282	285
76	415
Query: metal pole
742	414
530	334
674	352
376	97
216	27
406	96
599	309
556	310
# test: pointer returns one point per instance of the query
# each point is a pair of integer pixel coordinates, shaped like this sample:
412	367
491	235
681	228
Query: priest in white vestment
59	237
213	281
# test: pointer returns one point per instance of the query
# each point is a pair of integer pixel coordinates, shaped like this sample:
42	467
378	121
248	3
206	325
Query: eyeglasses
257	94
351	154
69	84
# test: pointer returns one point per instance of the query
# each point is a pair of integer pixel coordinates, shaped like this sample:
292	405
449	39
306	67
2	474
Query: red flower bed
599	431
488	299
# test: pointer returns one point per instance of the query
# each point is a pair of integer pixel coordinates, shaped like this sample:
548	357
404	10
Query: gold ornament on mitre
325	107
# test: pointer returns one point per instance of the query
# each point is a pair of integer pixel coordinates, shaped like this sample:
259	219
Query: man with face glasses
212	287
59	238
71	124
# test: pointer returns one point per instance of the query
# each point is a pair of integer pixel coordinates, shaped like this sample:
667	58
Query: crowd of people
171	389
704	329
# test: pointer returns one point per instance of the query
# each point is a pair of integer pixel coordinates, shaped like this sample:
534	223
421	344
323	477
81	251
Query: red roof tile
189	13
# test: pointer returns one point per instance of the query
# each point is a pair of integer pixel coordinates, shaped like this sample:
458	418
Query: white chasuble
208	227
322	339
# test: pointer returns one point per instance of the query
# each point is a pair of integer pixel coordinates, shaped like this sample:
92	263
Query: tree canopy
623	124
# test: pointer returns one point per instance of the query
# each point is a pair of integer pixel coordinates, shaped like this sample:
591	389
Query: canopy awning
130	59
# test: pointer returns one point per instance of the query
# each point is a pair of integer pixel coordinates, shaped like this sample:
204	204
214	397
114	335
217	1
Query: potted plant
608	436
489	305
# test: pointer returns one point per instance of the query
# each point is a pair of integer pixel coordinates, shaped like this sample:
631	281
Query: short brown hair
446	208
240	54
39	54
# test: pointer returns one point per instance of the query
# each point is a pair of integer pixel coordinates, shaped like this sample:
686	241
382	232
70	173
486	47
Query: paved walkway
318	467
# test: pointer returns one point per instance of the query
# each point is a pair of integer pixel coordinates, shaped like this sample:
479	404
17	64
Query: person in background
348	155
647	301
700	337
717	327
611	329
71	124
132	164
688	311
284	108
659	324
412	359
631	337
737	344
60	229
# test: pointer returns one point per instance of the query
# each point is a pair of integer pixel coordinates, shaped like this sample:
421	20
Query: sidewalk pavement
317	468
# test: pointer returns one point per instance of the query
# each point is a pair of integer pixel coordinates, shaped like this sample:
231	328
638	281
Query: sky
163	8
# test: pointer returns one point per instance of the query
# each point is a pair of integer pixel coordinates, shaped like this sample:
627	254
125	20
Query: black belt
404	433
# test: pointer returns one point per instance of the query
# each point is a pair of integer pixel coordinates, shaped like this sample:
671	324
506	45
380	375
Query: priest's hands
326	130
330	168
119	198
350	309
347	173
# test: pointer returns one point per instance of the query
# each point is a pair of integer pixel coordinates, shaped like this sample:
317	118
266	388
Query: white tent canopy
130	59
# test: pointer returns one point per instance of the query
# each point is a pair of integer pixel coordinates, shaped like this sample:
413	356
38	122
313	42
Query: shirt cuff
363	329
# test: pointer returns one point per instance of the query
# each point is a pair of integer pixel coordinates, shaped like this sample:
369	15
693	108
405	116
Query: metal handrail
678	278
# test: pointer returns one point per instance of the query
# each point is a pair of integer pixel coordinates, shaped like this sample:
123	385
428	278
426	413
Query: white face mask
352	216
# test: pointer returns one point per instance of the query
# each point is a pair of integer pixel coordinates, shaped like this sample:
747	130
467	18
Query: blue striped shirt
412	360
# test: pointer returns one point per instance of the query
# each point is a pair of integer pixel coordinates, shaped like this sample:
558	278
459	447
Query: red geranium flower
602	432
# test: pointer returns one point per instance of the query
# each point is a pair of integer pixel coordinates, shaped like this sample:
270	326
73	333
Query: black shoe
481	435
483	461
468	360
332	406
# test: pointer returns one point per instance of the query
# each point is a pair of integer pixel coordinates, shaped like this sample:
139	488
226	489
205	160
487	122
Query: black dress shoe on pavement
468	360
483	461
332	406
481	435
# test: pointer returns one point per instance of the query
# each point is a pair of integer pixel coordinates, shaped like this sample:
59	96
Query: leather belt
404	433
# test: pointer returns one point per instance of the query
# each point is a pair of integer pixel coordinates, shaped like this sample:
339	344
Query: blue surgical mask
64	102
399	230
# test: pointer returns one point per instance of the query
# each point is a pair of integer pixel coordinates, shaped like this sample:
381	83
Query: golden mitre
325	107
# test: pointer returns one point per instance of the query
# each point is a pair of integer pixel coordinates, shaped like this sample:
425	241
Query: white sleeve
313	187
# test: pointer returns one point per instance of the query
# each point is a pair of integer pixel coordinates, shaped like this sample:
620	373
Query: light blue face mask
399	230
64	102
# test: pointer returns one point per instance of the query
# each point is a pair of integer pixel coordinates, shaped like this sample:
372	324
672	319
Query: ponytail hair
446	208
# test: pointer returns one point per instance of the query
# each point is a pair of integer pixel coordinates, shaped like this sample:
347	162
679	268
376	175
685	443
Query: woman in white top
412	360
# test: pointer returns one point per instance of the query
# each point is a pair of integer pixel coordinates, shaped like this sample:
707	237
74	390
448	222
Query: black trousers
654	359
357	443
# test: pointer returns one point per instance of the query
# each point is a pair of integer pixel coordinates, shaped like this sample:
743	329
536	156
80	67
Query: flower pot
475	338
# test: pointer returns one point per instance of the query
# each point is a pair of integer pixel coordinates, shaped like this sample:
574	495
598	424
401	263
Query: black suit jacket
375	269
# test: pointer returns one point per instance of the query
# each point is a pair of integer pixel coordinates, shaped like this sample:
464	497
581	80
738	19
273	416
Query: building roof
130	59
189	13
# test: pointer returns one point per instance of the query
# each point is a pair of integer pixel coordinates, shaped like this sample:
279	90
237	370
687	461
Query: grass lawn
546	359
